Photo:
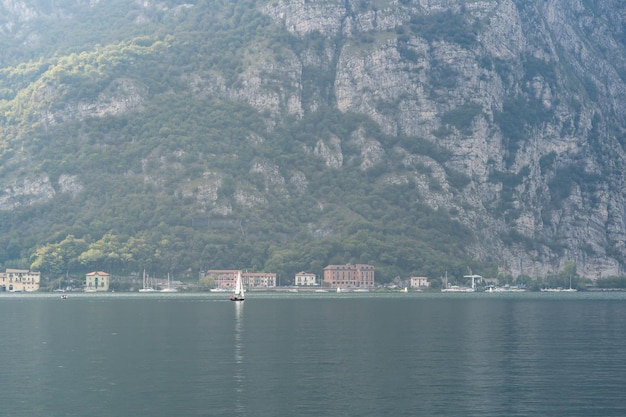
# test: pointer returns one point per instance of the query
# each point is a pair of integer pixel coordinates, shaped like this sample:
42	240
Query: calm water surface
291	355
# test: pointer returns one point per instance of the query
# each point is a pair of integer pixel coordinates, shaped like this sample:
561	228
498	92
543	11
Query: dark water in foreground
316	355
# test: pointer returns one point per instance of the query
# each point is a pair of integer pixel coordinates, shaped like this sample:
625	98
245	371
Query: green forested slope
141	170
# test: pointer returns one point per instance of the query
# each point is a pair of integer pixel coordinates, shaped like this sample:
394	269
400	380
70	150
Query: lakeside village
336	278
347	277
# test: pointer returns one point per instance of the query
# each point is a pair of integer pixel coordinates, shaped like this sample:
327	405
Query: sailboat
168	288
570	289
239	293
147	287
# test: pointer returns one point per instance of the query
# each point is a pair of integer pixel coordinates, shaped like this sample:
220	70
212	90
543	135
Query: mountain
284	135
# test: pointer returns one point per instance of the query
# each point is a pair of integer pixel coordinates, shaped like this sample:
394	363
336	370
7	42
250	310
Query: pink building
349	276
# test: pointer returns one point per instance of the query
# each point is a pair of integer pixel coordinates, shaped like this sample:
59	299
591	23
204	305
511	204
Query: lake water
176	355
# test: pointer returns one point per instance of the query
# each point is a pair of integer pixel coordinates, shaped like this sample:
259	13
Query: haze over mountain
285	135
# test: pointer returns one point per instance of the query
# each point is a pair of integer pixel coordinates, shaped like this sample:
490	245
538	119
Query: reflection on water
238	374
487	355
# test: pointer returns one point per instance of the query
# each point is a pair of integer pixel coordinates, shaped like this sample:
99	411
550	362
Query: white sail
239	292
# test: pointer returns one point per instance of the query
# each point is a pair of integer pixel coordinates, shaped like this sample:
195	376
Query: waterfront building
223	278
97	281
258	279
359	276
419	282
19	280
226	278
305	279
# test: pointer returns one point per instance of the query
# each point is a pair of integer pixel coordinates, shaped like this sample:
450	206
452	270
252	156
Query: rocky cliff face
561	62
528	98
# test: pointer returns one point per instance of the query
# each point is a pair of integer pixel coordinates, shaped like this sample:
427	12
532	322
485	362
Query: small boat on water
559	290
238	295
455	288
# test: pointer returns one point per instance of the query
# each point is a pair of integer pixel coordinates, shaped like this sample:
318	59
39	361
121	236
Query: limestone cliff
565	59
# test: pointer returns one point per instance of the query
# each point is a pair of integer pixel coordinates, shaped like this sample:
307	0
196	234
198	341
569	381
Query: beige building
258	279
97	281
19	280
305	279
419	282
359	276
225	278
